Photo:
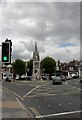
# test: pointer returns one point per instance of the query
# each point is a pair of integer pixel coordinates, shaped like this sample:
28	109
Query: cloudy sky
55	26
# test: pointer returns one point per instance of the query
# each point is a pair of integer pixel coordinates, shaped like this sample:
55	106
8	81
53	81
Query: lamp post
9	67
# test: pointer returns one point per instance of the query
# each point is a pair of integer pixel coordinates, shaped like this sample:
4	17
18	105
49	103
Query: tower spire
36	64
36	50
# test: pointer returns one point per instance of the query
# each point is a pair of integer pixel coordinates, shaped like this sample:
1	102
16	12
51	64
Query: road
44	100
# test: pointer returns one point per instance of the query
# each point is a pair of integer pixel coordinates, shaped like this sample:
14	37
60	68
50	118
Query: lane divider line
33	111
58	114
31	91
72	86
37	113
29	114
19	96
20	103
14	93
69	92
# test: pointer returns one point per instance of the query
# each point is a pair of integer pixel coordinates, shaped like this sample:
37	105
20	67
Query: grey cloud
42	21
63	15
21	56
20	52
67	56
68	51
28	46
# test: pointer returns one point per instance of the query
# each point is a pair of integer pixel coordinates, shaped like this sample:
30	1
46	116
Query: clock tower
36	64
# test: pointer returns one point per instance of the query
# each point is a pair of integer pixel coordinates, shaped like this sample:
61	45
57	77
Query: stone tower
36	64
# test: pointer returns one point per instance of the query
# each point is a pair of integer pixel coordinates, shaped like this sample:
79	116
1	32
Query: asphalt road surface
45	100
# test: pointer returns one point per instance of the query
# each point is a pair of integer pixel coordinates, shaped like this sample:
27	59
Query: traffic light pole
6	49
1	68
26	69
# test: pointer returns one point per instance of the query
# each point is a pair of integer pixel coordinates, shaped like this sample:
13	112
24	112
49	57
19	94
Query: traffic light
7	40
6	52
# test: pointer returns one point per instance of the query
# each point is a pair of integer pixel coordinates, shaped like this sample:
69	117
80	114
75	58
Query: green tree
30	67
19	67
48	65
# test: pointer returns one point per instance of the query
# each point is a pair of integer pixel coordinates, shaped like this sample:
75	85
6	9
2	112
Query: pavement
12	106
0	100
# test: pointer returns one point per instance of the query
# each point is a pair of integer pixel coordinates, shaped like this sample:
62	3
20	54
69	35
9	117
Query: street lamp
9	67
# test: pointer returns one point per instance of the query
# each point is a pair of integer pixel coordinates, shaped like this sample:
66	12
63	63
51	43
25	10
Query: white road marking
14	93
19	96
36	113
69	103
58	114
32	85
49	88
59	104
72	86
48	105
20	104
32	90
69	92
25	81
49	94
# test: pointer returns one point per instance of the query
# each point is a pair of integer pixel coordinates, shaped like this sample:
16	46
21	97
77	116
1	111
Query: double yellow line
36	113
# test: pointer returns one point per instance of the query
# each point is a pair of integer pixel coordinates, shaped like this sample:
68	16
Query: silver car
57	80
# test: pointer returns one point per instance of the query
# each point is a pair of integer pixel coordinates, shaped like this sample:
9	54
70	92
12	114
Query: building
73	67
36	73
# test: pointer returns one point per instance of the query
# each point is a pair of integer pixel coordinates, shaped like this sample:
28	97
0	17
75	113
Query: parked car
73	74
23	77
17	78
68	77
52	77
57	80
29	77
75	77
8	79
44	78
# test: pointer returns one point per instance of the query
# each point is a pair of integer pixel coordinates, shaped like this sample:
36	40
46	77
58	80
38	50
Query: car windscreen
57	79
